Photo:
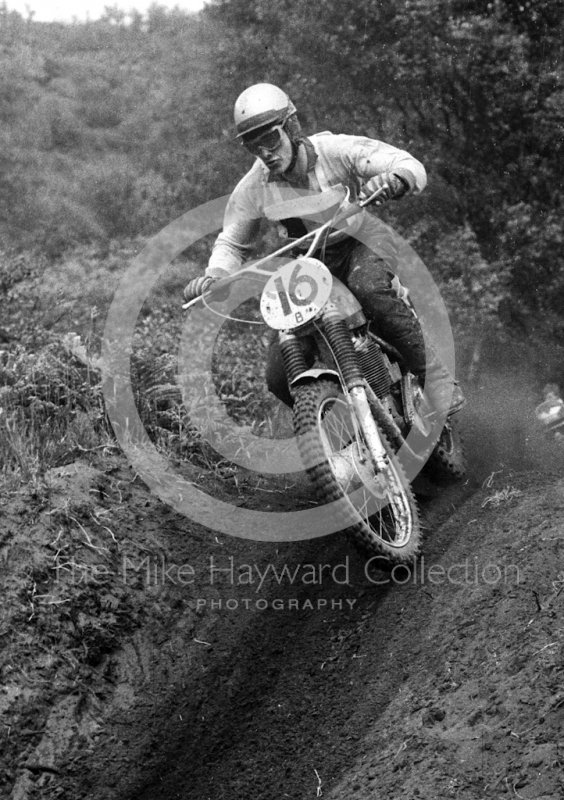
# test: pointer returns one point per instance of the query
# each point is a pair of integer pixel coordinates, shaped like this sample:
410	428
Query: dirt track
444	685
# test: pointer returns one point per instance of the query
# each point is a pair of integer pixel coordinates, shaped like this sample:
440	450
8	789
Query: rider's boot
444	395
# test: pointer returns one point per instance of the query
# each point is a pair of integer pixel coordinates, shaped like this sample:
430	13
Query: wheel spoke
337	434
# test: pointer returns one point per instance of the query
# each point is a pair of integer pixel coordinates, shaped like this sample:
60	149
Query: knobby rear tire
393	532
447	462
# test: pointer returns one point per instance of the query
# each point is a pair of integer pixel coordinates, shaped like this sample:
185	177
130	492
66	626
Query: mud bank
325	679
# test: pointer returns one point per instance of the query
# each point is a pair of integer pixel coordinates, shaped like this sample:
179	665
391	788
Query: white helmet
260	105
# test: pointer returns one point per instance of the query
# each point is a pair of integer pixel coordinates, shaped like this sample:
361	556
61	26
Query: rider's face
279	157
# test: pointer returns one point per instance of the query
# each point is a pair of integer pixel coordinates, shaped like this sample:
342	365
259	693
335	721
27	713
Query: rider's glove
396	187
197	287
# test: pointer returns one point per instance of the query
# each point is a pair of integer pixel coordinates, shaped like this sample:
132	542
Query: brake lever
374	196
361	204
191	302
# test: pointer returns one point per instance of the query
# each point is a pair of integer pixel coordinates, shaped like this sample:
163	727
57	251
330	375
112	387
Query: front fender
315	374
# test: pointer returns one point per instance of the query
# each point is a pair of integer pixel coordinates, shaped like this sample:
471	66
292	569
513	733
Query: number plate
295	294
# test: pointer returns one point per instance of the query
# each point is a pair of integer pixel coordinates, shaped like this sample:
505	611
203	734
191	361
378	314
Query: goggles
270	140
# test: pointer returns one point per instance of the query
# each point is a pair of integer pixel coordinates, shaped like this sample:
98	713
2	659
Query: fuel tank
347	304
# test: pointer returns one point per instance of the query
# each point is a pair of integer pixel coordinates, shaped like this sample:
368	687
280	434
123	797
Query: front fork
349	373
363	414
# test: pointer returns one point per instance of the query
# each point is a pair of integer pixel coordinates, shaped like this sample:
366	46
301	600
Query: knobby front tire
342	469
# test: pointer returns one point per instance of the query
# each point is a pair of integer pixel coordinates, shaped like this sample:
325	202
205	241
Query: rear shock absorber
373	366
339	338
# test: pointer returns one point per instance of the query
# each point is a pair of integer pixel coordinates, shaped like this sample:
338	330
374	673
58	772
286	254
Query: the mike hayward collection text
224	572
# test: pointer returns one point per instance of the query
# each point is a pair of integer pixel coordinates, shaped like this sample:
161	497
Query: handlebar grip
217	290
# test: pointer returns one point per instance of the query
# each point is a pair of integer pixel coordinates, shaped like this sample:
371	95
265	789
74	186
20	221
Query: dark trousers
369	278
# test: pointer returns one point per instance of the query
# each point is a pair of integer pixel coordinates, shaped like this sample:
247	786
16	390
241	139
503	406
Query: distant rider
268	127
550	413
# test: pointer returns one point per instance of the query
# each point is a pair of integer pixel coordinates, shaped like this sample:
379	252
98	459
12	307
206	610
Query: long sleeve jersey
332	160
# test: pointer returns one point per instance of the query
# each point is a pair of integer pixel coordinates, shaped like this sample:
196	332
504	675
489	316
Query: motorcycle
358	413
550	416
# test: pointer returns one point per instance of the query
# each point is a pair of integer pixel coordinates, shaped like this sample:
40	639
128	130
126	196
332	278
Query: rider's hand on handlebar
197	287
395	187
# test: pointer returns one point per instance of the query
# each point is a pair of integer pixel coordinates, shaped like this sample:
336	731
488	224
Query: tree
475	87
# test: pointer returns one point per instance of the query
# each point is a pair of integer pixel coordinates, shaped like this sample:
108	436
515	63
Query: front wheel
376	506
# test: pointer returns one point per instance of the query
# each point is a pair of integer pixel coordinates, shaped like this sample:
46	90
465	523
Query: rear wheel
376	506
447	462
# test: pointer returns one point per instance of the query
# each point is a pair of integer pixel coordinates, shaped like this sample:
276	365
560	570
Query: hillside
422	687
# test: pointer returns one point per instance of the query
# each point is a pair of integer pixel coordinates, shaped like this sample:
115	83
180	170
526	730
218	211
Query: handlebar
343	213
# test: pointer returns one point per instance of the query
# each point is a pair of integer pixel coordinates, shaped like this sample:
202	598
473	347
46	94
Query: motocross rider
267	125
550	413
